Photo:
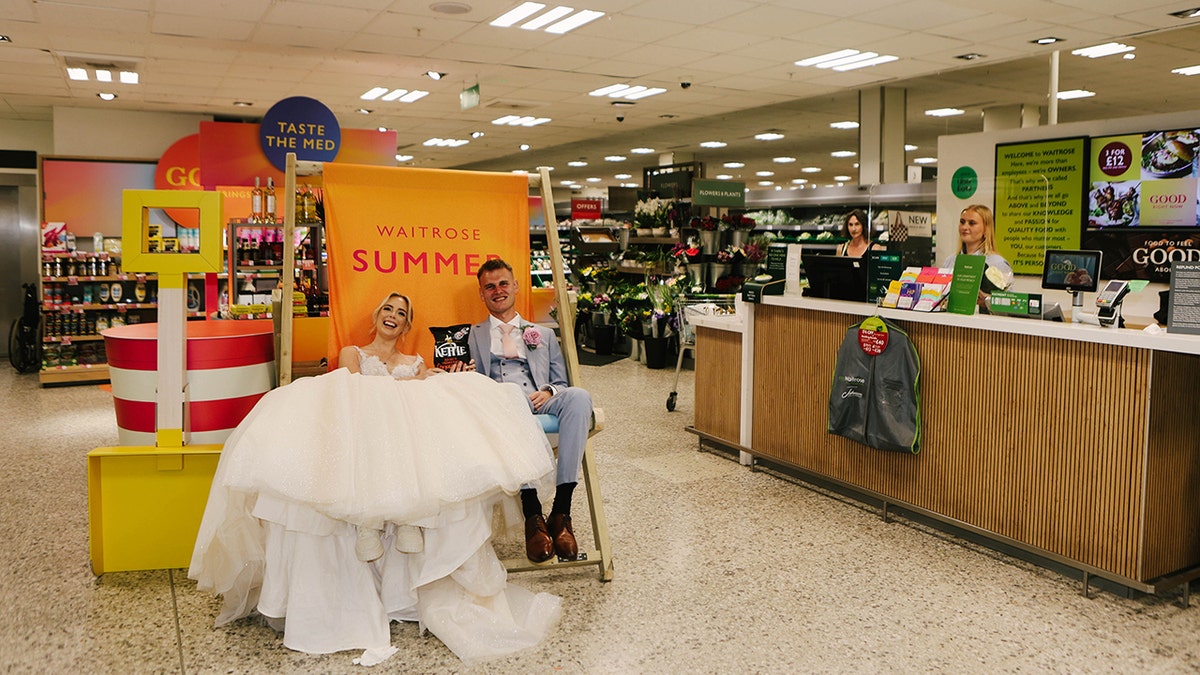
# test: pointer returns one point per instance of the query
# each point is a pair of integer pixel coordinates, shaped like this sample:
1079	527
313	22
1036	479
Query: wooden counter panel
1173	471
718	380
1013	442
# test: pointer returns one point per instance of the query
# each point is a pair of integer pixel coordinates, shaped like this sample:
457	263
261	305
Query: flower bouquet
730	255
685	253
652	216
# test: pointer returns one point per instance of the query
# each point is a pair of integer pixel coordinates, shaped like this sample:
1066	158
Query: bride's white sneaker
369	546
409	539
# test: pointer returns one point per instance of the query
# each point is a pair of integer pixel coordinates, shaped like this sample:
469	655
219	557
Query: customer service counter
1078	443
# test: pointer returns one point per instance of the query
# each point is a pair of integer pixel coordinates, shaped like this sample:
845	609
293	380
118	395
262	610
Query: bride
401	471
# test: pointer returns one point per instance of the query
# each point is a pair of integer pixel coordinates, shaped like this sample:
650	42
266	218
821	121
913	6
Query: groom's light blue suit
542	366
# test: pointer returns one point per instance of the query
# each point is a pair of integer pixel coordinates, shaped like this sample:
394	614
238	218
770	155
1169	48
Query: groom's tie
506	341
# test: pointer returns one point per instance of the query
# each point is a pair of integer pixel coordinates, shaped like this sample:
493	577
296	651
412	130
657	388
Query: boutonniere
531	336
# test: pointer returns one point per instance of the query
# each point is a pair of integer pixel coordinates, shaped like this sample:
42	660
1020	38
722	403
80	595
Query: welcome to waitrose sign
718	193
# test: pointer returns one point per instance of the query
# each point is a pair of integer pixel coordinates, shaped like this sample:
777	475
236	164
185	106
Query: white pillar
881	131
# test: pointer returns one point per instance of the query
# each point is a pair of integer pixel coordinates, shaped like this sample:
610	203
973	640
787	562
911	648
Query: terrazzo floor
718	569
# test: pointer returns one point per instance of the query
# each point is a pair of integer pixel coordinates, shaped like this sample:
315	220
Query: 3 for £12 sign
301	125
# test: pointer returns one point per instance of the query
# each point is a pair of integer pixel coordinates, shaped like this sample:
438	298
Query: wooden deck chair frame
602	556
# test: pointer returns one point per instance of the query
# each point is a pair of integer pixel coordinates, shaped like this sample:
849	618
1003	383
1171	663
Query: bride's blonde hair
379	308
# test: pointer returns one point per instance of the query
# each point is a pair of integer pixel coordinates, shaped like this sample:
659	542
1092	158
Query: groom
507	348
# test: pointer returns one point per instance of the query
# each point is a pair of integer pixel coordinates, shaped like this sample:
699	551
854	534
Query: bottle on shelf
269	200
256	202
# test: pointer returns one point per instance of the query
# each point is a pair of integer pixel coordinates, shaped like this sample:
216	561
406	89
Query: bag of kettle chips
451	345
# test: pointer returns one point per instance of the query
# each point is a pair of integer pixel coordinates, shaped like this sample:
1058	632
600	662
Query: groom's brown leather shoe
539	547
564	536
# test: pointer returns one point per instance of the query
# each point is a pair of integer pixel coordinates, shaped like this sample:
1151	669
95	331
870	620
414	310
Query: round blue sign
301	125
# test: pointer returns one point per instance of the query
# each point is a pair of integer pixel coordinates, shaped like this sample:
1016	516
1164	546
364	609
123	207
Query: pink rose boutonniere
531	336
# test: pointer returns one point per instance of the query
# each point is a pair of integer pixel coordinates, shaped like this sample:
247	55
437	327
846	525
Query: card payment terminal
1109	302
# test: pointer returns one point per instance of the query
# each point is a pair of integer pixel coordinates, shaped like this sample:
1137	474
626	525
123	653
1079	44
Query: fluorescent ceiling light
1075	93
766	183
565	182
764	174
394	94
909	147
734	165
652	91
373	93
629	92
799	181
413	95
858	56
944	112
887	58
404	158
844	125
630	185
842	178
615	158
925	160
1189	70
810	169
1106	49
605	91
832	56
547	18
642	151
783	160
574	21
518	13
577	162
519	121
768	136
842	153
713	144
103	75
445	142
626	91
593	179
77	74
623	176
128	77
723	176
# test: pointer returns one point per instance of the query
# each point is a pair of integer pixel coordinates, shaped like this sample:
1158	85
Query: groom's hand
460	367
538	399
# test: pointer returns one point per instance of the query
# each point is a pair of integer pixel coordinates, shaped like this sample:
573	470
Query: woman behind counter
977	236
856	229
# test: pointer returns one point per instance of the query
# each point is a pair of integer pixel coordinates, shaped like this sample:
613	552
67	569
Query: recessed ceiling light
524	147
373	93
944	112
783	160
243	104
381	129
404	158
713	144
434	75
642	151
799	181
1075	93
766	183
841	178
363	111
734	165
593	179
615	158
1187	13
106	96
723	176
1046	40
969	56
842	153
768	136
848	124
909	147
5	38
1106	49
565	182
925	160
630	185
667	116
810	169
623	176
1189	70
476	134
577	162
764	174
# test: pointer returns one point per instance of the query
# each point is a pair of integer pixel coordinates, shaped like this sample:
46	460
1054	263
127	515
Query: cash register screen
835	277
1071	270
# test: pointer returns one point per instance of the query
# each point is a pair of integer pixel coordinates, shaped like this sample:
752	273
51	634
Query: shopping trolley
687	307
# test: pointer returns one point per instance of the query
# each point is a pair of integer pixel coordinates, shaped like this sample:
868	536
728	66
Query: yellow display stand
145	505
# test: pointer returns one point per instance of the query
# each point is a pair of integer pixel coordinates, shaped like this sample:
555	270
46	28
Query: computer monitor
835	277
1075	271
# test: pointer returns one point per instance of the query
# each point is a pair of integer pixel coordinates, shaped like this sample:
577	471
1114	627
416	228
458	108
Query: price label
872	342
1115	158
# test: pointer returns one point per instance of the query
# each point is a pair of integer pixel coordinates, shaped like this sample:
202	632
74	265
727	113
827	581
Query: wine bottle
269	200
256	202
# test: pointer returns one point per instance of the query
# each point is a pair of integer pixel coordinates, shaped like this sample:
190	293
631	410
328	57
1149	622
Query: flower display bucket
656	351
708	241
604	336
716	271
738	238
695	272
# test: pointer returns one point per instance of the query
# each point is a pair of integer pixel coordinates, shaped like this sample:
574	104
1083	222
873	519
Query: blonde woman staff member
857	229
977	236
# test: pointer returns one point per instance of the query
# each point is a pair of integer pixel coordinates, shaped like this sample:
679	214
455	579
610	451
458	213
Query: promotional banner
912	233
1039	199
422	233
1142	253
1144	180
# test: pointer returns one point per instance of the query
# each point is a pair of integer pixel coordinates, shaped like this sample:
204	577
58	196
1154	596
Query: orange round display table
230	365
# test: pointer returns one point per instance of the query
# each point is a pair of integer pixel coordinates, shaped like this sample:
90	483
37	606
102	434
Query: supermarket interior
857	338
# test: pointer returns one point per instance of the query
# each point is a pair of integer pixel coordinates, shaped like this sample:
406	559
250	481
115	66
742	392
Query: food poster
1144	180
1040	196
1142	253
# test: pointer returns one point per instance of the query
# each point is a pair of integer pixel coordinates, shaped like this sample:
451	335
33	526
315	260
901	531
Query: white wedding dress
321	454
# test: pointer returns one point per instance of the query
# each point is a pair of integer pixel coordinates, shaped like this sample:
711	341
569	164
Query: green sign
1039	199
1015	304
883	267
964	287
468	98
965	182
718	193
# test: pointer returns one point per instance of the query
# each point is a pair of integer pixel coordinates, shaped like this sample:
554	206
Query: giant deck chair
602	555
